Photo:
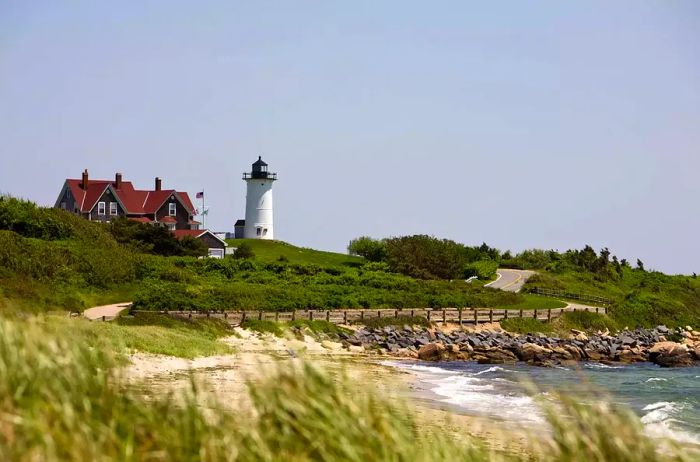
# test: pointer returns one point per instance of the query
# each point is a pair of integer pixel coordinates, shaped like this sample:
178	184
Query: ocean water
667	400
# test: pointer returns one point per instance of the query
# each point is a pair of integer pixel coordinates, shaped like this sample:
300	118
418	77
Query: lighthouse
258	206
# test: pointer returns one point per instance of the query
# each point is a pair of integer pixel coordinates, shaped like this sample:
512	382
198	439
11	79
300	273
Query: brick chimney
85	182
159	184
118	181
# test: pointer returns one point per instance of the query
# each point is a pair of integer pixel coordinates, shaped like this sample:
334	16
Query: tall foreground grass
61	399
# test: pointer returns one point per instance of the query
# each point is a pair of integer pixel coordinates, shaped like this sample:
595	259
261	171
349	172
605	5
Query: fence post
491	316
521	312
225	314
396	314
104	318
429	314
243	318
328	315
345	316
411	313
277	316
596	310
260	315
505	314
379	314
549	315
460	317
535	313
294	315
311	315
476	317
362	315
444	316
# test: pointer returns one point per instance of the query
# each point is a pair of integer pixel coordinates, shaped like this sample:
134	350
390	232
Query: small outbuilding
239	229
217	246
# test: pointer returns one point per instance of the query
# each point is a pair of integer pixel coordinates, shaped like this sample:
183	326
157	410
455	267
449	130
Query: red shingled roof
135	201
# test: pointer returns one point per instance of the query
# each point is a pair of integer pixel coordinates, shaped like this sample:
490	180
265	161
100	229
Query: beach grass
526	326
153	334
64	399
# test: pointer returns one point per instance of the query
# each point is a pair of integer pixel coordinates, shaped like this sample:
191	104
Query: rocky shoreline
661	345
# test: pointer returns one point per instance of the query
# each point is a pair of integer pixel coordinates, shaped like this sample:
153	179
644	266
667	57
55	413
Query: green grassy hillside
639	297
50	259
272	251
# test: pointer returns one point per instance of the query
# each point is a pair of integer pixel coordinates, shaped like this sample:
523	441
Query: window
172	209
264	231
112	208
63	205
259	231
100	208
171	226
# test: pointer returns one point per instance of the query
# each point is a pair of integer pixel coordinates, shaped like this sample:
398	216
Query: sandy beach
226	377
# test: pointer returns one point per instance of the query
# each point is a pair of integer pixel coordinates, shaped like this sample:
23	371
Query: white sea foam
424	369
657	379
601	366
660	419
492	369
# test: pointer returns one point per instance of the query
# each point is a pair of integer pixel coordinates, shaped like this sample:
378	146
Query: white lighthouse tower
258	206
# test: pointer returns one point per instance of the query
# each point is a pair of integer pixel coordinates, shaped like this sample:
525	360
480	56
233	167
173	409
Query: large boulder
494	356
670	354
531	351
432	352
631	355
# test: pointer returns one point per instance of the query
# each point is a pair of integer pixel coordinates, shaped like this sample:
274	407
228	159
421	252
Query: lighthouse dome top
260	171
259	163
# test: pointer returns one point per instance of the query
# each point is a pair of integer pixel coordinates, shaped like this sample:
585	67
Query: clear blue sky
546	124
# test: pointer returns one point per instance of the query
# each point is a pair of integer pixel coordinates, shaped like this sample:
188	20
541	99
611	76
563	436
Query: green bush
371	249
482	269
585	320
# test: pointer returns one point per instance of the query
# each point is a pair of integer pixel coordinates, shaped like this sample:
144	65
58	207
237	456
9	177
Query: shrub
371	249
244	251
425	257
482	269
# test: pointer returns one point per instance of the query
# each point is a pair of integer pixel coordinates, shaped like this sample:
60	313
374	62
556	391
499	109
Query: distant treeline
428	257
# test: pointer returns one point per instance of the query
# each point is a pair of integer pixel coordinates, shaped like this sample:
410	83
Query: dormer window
172	209
113	208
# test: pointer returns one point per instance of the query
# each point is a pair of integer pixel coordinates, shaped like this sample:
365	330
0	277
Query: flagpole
203	212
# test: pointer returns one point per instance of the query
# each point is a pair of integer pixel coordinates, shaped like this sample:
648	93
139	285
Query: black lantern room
260	171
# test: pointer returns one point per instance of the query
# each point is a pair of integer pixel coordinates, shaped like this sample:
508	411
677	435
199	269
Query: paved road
510	280
109	312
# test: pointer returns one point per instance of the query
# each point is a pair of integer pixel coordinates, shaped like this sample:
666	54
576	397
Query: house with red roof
104	200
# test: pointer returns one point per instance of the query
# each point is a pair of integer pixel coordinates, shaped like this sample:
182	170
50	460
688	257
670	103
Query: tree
640	265
371	249
192	247
244	252
426	257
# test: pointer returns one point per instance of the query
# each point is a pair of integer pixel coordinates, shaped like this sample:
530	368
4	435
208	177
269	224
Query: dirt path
106	312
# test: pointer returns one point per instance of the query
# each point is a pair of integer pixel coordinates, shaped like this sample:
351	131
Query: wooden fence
339	316
571	296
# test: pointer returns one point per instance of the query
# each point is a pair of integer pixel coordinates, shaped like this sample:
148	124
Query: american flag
200	195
